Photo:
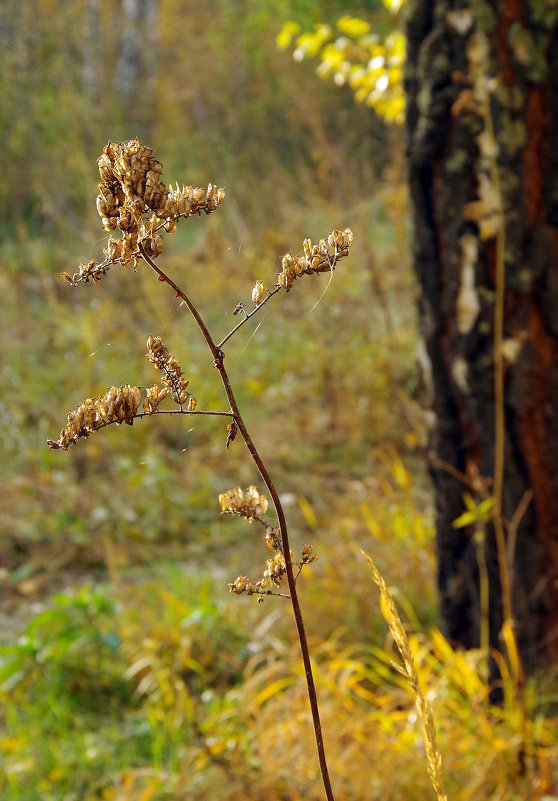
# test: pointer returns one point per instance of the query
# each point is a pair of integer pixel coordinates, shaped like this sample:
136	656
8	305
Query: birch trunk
484	175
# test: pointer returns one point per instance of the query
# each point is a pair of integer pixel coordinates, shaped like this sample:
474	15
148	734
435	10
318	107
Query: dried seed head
153	245
285	281
133	199
105	169
316	258
153	398
158	355
275	570
307	555
257	292
117	405
245	503
273	538
242	584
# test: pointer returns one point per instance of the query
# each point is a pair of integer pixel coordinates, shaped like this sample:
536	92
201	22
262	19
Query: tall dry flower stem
299	620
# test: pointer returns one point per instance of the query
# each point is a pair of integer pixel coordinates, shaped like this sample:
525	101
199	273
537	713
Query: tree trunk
482	87
91	39
136	61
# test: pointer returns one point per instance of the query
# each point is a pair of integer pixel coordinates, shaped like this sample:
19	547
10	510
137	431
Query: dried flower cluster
242	584
153	398
133	199
245	503
118	405
275	569
272	576
121	404
251	505
273	538
158	354
316	258
308	555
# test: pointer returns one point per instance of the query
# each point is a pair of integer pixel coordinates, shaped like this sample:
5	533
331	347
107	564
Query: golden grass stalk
433	756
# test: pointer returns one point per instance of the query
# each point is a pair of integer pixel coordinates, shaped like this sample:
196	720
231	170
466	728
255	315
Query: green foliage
96	686
64	670
67	650
370	64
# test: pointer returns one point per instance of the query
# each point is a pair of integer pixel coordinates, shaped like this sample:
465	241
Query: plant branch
180	294
129	421
249	315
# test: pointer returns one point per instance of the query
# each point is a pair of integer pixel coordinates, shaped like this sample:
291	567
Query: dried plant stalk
433	756
134	200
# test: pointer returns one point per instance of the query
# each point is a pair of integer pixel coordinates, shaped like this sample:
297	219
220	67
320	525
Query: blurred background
207	88
127	669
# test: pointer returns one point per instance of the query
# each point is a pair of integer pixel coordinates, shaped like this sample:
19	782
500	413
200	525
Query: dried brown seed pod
257	292
286	281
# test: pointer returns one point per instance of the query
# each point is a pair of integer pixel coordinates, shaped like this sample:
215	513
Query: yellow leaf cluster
371	65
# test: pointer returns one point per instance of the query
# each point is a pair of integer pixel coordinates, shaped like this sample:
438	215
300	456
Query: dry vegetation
128	672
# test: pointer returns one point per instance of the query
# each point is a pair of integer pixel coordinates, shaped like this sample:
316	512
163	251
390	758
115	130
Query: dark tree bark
482	85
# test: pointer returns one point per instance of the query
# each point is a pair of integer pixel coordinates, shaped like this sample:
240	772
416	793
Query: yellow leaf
400	474
393	5
353	26
486	507
285	35
148	793
466	519
307	512
508	635
371	523
274	689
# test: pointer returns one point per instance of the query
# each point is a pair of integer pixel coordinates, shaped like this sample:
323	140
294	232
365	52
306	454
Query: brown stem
248	316
499	413
290	580
218	356
129	420
180	294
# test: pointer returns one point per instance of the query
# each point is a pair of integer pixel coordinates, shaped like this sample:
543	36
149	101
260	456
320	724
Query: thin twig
499	414
271	293
504	566
512	528
130	420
